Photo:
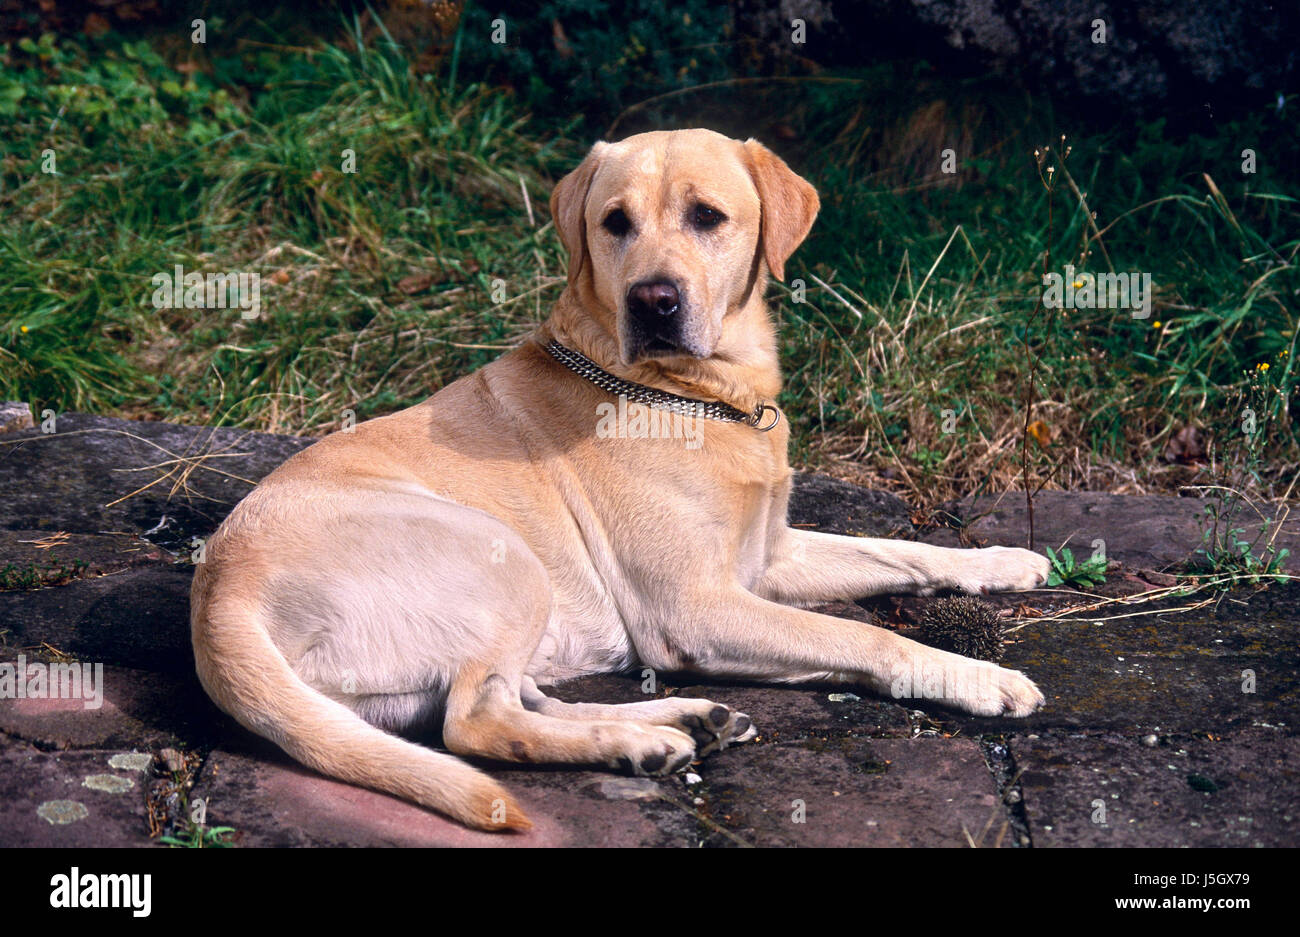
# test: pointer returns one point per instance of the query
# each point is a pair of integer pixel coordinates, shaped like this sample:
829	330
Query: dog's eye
706	217
617	223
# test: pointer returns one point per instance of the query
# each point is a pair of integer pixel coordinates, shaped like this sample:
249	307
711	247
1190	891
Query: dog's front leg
735	634
807	566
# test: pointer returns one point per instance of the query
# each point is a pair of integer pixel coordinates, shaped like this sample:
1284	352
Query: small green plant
198	836
1228	553
170	812
929	459
1066	571
1264	406
15	578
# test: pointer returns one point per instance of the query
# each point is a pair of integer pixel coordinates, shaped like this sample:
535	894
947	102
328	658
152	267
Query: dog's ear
789	203
568	210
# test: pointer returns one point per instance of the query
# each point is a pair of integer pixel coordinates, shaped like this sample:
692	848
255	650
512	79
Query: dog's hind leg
712	725
485	716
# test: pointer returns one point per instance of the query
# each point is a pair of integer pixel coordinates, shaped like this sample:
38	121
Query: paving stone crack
1011	796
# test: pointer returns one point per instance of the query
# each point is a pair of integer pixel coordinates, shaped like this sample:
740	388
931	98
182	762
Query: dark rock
271	801
62	556
900	775
1158	56
87	477
835	507
45	800
138	618
1141	531
140	710
1245	795
1181	671
854	792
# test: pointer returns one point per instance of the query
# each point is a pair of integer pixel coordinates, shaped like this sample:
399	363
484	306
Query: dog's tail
248	677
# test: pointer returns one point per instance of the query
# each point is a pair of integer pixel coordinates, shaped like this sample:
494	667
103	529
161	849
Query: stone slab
1176	671
1238	789
1141	531
87	477
272	801
46	801
139	709
920	792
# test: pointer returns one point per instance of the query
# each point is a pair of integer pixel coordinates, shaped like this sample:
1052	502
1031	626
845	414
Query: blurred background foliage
921	285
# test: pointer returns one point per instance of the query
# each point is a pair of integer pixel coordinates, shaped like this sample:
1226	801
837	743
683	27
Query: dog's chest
760	496
763	519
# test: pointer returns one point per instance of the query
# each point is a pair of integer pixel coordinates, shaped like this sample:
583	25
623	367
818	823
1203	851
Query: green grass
930	291
201	837
377	286
1067	571
53	572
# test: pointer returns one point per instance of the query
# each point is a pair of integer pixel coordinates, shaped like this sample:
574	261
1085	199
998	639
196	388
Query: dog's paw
654	751
999	691
975	686
1004	569
714	727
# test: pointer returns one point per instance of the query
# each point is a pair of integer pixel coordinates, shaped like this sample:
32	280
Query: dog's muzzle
655	321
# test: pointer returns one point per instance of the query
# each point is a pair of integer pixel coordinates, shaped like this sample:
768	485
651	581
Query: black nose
653	302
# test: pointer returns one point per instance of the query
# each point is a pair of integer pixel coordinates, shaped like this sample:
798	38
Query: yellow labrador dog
611	494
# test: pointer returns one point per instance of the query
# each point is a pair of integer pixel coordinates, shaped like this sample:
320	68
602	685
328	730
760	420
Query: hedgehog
964	625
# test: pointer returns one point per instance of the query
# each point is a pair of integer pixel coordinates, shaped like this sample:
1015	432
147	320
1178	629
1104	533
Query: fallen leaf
1185	446
95	25
1157	578
560	40
415	283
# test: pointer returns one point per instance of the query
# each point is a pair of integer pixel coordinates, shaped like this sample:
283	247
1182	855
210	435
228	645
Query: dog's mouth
659	346
655	347
655	341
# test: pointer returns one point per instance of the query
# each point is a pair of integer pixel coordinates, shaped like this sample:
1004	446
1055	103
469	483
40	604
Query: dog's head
669	232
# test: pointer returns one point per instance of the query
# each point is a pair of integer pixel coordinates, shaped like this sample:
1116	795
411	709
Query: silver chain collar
587	369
